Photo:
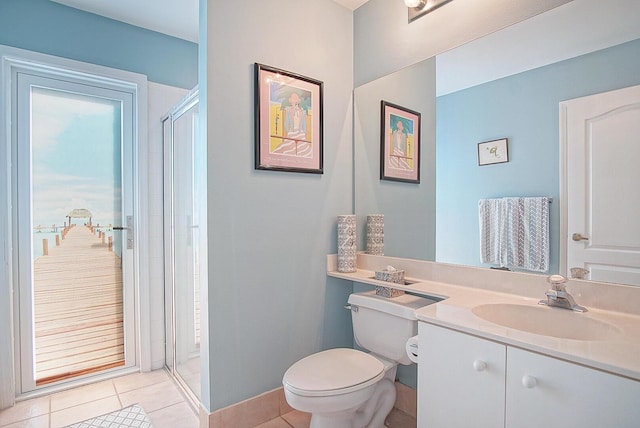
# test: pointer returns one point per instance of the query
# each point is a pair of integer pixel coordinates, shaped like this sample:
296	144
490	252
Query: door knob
579	237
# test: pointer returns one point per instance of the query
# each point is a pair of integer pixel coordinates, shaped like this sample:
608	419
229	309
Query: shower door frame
168	121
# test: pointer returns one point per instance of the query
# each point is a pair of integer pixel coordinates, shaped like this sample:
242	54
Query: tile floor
155	392
295	419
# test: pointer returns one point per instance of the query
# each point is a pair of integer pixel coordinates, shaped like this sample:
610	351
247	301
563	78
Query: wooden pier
78	308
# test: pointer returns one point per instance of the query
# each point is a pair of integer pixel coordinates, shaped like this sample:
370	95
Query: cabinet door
461	380
546	392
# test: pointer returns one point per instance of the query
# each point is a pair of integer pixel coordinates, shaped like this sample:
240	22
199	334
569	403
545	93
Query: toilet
348	388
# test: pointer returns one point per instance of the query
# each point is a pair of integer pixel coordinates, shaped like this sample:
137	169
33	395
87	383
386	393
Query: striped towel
491	224
514	232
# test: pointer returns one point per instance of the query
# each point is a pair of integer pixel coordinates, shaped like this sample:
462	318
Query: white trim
142	228
7	391
564	212
13	59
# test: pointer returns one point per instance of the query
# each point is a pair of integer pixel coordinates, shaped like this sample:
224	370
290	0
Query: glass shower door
184	205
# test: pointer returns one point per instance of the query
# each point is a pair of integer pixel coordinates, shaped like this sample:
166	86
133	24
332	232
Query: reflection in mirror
520	102
409	208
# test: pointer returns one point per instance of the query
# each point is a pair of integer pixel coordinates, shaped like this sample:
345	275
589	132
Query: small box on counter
389	274
395	275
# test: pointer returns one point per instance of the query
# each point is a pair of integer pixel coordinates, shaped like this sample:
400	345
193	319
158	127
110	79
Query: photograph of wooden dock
78	306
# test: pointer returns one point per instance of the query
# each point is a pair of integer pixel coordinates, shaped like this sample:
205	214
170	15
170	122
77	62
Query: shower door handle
129	230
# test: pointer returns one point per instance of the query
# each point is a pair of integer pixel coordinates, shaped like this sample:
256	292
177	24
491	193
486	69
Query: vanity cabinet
465	381
461	380
547	392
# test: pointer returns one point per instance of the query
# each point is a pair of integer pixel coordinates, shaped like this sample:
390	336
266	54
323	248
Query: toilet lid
333	372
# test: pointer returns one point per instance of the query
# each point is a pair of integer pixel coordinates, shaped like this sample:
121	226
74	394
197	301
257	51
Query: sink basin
546	321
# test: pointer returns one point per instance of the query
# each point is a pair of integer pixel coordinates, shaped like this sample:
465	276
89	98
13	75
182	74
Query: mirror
409	208
506	95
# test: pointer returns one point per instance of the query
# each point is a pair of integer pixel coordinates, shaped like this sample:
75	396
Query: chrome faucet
558	296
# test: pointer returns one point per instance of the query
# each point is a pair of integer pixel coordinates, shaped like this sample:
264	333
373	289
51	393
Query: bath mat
129	417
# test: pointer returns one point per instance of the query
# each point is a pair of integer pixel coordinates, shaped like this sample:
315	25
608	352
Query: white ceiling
351	4
576	28
178	18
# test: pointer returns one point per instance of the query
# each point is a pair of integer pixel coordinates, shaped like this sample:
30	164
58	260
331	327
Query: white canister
347	247
375	234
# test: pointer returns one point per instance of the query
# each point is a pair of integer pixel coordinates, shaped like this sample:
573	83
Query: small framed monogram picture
494	151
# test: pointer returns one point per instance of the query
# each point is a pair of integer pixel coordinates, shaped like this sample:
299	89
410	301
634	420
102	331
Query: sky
75	156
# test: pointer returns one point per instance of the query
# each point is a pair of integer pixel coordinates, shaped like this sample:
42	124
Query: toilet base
334	420
360	406
371	414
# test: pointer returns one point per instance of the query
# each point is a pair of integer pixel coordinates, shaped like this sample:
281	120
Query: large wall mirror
409	208
505	85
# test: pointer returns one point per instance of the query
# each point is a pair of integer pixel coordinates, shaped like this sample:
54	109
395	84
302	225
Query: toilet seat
333	372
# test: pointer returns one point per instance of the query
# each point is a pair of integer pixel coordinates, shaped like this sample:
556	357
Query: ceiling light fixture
415	3
418	8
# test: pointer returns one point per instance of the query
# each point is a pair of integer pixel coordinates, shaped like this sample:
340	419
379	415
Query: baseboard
272	404
248	413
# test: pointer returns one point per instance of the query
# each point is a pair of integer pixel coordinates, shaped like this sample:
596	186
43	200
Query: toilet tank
383	325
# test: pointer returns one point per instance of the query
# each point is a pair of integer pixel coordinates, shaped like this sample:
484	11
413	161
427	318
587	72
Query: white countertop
618	354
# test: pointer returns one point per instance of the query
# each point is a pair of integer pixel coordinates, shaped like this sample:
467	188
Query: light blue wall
524	109
48	27
270	300
409	208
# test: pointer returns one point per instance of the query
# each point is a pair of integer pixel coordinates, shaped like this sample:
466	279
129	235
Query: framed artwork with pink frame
399	143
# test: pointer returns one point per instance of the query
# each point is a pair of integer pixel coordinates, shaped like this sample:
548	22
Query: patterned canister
347	243
375	234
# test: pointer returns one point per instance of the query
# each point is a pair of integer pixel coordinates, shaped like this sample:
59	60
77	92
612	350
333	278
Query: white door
600	151
73	181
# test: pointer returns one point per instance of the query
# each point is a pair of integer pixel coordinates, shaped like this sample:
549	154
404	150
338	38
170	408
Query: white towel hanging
490	213
517	229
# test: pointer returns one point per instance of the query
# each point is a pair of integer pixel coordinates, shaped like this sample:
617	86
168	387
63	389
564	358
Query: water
37	242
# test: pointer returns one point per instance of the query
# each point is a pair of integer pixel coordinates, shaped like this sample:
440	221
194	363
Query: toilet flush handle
351	307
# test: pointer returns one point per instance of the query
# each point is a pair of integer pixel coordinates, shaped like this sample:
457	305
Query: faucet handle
557	282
